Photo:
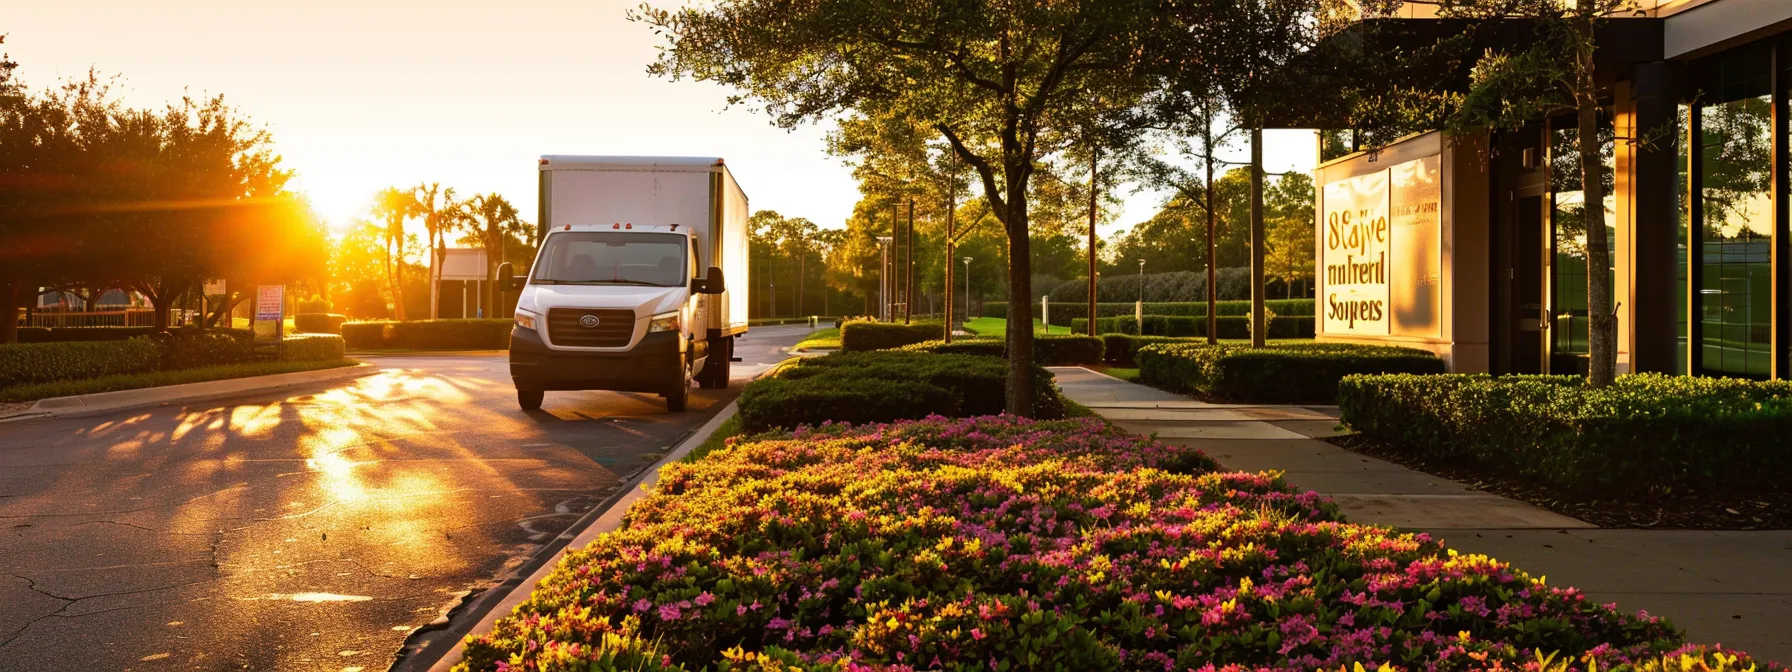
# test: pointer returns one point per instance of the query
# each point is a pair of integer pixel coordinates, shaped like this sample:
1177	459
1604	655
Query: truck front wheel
529	400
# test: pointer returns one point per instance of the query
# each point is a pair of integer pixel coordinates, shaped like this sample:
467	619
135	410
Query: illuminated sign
1381	256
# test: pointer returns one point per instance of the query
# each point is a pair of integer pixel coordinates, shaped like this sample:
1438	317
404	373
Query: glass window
1737	220
1568	222
1682	161
606	258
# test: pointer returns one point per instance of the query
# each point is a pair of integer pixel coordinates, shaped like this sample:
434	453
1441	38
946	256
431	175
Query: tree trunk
1090	316
1019	390
1213	290
1602	333
9	311
1258	323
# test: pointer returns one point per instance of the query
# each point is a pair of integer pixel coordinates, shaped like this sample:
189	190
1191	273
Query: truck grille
614	327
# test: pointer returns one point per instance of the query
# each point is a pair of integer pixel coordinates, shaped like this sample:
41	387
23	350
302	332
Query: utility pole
1257	322
895	258
908	306
1093	157
967	286
951	243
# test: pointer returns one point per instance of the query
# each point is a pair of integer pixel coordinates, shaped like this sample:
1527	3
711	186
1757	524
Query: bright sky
374	93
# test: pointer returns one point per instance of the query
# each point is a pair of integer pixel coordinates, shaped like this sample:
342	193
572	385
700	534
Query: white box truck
640	283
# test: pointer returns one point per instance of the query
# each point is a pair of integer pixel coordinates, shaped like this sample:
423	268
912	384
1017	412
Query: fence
125	317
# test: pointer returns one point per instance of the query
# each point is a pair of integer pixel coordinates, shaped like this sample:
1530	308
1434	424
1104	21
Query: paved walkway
1733	588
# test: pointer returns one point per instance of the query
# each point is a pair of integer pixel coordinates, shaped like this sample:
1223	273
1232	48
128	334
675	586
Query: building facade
1474	247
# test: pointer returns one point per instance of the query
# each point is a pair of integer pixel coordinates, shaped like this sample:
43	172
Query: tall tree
441	215
995	79
1515	85
393	206
494	221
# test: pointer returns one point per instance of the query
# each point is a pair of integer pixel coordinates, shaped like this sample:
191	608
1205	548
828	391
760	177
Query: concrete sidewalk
1733	588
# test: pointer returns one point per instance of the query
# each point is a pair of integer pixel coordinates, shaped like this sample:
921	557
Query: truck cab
631	305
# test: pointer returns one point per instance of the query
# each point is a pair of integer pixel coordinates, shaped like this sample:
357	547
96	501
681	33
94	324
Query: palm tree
493	220
394	206
440	216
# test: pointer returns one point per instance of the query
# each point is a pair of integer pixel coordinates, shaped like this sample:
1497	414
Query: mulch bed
1729	509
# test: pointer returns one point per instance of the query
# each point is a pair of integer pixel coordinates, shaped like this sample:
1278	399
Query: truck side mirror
713	282
507	278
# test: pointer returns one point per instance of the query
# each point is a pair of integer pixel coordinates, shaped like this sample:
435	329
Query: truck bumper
652	366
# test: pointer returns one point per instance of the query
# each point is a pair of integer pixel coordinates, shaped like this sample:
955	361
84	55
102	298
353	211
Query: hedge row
1283	373
27	363
318	323
1006	544
1047	350
311	348
465	334
1646	433
91	334
1061	312
1229	326
860	387
1119	349
864	335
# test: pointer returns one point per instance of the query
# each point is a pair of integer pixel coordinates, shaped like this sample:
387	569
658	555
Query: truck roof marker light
674	227
568	228
616	225
544	162
629	225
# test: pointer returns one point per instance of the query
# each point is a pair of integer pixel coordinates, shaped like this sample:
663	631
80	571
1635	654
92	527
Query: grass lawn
1128	375
134	381
729	428
820	339
995	326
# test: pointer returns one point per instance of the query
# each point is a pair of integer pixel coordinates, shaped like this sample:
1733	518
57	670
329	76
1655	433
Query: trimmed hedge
1118	349
318	323
1230	326
100	334
865	335
1047	350
311	348
1075	309
863	387
188	348
463	334
1285	374
26	363
1646	433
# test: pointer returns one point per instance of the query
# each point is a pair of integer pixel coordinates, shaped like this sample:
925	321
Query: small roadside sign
270	317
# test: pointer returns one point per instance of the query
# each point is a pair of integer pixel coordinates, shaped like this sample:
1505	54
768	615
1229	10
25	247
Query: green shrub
463	334
815	390
311	348
1076	310
1118	349
26	363
1283	373
864	335
318	323
1645	433
1047	350
190	348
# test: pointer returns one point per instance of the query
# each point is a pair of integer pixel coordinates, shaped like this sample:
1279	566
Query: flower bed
1000	543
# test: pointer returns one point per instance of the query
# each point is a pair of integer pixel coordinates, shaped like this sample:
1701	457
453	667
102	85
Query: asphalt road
310	529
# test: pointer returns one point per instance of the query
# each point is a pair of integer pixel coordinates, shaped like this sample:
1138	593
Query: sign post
270	314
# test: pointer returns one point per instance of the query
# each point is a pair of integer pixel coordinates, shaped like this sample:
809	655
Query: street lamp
883	278
967	289
1138	309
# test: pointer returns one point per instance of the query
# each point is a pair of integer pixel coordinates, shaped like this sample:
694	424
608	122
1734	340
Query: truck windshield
607	258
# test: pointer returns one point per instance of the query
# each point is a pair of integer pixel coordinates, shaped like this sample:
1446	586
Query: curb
608	521
106	402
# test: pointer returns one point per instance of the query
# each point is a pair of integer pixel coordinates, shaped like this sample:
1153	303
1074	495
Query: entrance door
1530	288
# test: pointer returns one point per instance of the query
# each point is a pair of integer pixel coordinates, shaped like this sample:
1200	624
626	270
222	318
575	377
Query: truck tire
529	400
716	369
680	393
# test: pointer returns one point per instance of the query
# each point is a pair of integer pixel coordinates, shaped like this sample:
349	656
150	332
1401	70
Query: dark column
1656	207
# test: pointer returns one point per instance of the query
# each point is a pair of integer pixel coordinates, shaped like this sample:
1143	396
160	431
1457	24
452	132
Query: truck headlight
525	319
665	322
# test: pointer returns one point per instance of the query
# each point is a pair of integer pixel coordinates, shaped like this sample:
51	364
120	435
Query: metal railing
123	317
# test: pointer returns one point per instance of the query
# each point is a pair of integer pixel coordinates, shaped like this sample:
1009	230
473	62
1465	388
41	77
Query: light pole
1138	309
967	289
883	279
